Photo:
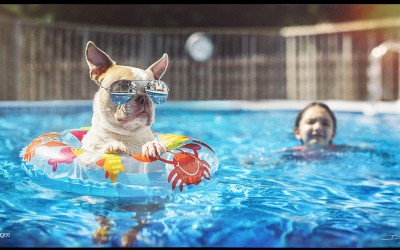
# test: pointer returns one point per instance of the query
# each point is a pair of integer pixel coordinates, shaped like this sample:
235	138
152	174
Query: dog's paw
153	149
88	159
115	147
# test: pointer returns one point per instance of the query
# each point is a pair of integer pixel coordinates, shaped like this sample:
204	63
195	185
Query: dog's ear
158	68
97	60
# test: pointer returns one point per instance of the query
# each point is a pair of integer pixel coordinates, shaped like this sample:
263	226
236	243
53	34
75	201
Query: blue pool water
348	198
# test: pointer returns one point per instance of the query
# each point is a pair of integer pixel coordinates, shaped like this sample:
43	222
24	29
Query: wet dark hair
319	104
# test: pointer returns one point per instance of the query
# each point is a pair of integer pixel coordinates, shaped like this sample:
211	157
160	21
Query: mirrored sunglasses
122	91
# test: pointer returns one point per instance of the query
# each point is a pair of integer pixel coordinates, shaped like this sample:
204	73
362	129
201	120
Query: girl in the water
315	127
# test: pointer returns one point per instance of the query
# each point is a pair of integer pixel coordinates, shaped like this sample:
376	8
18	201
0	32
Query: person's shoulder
360	149
294	149
344	147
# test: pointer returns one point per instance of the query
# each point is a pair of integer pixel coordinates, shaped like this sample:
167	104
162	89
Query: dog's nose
143	99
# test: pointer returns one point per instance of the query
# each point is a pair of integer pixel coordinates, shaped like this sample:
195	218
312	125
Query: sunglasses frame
157	96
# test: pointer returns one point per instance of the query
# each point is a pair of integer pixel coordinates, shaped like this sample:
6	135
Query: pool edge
217	105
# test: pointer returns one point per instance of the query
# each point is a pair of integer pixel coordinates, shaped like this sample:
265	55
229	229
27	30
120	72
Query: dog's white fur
121	128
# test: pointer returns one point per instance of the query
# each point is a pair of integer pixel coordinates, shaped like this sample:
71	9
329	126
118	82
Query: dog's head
136	110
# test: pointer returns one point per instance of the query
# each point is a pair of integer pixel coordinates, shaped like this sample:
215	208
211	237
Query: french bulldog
122	126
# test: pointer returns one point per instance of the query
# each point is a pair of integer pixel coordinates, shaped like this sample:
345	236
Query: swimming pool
347	199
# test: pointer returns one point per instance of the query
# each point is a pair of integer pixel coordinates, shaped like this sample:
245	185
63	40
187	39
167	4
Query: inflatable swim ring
56	160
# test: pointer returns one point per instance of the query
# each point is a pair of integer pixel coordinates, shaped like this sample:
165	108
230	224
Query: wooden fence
47	62
330	61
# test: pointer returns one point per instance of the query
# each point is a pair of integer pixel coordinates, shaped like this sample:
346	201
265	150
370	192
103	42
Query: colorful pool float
56	160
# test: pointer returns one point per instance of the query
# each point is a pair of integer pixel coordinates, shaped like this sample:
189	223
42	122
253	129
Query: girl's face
315	127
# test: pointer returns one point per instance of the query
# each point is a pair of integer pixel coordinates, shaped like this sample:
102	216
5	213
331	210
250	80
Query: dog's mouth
137	112
142	117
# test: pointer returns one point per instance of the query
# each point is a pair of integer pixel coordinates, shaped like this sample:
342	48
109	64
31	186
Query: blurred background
217	51
200	15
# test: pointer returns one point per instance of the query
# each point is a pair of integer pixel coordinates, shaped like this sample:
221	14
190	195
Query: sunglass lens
157	97
123	86
157	91
120	98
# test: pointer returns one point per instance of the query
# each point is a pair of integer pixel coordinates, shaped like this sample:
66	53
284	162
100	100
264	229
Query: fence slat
47	62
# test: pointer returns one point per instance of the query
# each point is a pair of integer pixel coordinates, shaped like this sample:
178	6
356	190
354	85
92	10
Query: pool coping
218	105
